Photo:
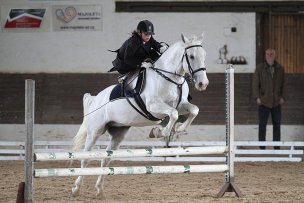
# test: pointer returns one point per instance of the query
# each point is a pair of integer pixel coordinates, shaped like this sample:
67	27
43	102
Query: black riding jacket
133	52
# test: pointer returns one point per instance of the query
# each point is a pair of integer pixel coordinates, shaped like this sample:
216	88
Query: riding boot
122	91
121	80
122	85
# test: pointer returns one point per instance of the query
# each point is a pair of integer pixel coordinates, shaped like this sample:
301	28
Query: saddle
121	91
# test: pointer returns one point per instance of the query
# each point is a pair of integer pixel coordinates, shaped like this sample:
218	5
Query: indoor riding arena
181	118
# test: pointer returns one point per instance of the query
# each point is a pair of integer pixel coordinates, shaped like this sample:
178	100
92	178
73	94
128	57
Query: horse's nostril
200	84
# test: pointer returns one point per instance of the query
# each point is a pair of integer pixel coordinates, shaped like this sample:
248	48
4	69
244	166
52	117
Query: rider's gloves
146	65
148	60
163	48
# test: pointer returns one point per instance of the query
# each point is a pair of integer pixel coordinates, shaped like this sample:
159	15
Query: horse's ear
184	38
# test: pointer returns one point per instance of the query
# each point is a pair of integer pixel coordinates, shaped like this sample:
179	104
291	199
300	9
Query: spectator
268	90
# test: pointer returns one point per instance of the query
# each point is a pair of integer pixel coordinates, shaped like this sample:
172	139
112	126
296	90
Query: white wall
27	51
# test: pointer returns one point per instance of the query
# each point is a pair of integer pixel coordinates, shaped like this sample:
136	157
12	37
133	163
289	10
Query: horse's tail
79	139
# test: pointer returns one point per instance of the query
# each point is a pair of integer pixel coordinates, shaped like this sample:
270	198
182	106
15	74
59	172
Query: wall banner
77	18
25	18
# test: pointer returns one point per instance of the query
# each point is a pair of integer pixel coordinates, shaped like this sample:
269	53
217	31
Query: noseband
191	71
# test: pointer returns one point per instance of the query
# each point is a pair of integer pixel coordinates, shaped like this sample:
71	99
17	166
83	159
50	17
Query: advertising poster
25	18
77	18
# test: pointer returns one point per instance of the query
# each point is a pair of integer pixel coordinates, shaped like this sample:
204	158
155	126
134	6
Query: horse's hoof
71	195
151	135
178	127
155	133
74	192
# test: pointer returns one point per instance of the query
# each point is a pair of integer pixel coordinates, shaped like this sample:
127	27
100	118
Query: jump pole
124	153
29	144
129	170
229	185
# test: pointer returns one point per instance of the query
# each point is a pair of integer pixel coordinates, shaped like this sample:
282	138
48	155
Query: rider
141	46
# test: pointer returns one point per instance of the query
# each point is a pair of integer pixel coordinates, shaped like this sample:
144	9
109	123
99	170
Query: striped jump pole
123	153
129	170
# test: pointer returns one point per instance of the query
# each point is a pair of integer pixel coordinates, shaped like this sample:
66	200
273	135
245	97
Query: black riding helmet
146	26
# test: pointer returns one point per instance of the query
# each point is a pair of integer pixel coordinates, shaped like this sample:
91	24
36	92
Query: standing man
268	90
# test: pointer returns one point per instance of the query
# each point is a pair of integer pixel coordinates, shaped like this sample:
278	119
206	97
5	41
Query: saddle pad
116	92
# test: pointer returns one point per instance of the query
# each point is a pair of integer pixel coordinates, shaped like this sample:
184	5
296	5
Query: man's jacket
269	88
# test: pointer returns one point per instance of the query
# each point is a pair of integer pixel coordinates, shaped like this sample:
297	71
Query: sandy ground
259	182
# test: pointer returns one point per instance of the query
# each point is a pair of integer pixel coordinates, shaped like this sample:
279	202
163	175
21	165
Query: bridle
191	71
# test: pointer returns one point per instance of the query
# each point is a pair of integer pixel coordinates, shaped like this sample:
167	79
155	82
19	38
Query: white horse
165	94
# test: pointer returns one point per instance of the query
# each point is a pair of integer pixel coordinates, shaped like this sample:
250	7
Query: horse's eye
191	57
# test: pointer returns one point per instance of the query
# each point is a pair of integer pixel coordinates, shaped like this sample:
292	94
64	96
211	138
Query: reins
159	71
179	86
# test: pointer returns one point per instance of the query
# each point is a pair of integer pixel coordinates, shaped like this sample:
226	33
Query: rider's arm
155	44
130	56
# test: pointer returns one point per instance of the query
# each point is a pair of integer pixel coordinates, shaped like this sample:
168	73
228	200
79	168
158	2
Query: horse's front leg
162	108
186	108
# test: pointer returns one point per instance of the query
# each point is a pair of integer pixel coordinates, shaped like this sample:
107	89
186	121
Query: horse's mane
169	50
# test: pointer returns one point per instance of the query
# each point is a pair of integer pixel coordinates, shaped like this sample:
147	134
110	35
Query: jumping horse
164	95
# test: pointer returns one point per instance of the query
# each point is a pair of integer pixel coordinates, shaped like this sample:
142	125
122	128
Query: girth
136	95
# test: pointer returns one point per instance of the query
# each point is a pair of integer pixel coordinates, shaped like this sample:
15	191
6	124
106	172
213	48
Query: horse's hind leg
90	141
117	136
78	182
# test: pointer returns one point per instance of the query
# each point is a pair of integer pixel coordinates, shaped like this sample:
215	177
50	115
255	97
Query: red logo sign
25	18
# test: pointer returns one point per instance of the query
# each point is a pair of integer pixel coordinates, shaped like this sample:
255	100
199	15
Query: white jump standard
228	150
229	186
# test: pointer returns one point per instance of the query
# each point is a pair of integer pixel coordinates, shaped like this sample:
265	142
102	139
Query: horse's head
193	61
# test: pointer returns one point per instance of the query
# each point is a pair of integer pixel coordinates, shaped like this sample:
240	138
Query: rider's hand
146	65
148	60
163	48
